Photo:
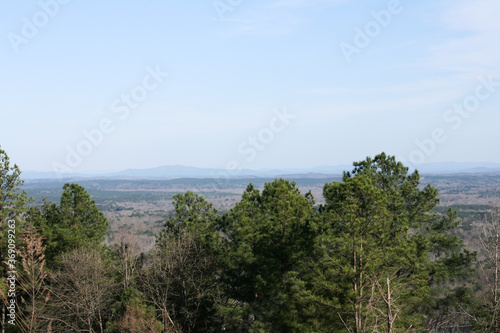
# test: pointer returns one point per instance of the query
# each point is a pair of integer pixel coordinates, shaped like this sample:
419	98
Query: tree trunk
357	302
389	305
3	317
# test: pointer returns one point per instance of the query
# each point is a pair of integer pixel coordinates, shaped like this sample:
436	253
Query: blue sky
416	79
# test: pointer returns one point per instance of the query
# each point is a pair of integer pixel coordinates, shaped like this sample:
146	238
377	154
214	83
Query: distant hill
180	171
459	167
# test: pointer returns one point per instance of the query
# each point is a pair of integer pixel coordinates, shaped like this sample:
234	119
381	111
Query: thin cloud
474	48
277	18
479	16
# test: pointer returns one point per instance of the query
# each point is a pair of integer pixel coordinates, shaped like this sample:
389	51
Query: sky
111	85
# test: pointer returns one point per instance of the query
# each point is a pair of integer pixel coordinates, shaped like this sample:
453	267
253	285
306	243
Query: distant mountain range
180	171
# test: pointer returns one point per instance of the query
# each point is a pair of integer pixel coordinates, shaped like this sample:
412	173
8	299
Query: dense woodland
377	255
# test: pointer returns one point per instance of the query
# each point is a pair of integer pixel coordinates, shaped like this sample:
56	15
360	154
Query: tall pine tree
75	223
269	235
385	259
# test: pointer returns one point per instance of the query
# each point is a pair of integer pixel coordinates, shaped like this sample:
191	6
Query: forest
378	254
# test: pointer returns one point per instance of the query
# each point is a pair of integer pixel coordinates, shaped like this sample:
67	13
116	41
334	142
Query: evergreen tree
386	255
76	222
12	199
269	235
13	203
194	215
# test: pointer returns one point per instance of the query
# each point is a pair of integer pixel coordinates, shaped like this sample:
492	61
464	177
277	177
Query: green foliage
269	235
357	249
76	222
192	214
12	200
13	203
381	236
379	255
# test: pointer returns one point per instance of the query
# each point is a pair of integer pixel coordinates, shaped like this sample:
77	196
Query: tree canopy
76	222
375	256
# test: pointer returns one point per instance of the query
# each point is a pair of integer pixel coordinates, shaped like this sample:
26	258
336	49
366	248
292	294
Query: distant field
141	206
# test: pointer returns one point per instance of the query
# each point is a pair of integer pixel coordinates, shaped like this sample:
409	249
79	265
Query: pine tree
269	235
13	203
386	259
76	222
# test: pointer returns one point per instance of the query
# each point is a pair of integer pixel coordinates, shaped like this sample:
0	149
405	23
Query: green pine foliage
382	238
269	235
196	216
76	222
13	201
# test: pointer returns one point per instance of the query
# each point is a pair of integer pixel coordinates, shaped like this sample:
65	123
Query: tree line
375	257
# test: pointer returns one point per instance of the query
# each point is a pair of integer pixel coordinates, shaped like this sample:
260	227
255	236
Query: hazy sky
251	84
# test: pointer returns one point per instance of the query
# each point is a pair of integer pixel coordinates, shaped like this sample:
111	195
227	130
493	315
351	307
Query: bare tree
389	294
490	268
127	251
82	293
177	281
